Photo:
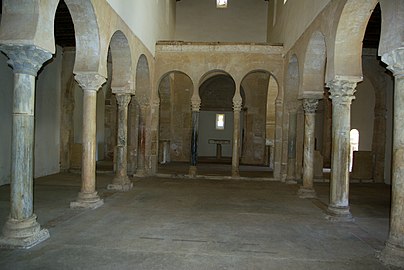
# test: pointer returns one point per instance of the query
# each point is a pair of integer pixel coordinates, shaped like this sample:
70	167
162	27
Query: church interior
202	134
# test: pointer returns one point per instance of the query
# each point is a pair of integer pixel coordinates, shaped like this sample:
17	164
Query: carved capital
395	61
195	103
90	81
294	105
143	101
237	103
310	105
123	100
25	59
342	91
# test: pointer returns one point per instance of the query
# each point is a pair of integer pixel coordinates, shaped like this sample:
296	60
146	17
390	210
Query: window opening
221	3
220	121
354	146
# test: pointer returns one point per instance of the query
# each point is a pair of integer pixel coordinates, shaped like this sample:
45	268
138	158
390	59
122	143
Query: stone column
196	104
133	135
121	181
393	252
21	229
291	170
88	197
141	170
310	107
237	104
341	94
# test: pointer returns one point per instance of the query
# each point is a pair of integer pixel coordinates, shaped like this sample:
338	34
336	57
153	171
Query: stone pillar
327	127
121	181
237	104
278	139
291	170
393	252
341	94
310	107
141	170
88	197
21	229
133	135
196	104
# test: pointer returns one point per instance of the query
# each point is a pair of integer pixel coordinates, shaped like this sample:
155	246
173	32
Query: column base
140	173
87	201
392	255
306	193
22	234
120	184
290	182
235	173
339	214
192	171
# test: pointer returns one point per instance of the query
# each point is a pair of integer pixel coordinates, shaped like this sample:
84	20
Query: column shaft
141	171
291	171
307	190
21	229
194	142
88	197
236	144
342	94
121	181
393	252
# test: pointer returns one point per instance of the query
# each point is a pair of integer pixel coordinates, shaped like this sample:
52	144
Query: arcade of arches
138	104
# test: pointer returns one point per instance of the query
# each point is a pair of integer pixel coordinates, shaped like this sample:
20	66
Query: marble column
341	94
291	169
141	170
196	104
21	229
121	181
310	107
88	197
237	104
393	252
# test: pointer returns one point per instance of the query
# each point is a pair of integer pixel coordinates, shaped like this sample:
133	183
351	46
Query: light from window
354	146
221	3
219	121
284	1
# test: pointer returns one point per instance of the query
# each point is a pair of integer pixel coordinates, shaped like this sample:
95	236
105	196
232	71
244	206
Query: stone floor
166	223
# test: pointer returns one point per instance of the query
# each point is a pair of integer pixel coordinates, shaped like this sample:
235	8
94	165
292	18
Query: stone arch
143	84
175	89
314	66
344	56
121	58
217	89
255	85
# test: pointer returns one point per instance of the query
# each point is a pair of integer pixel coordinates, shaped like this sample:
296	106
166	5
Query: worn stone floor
166	223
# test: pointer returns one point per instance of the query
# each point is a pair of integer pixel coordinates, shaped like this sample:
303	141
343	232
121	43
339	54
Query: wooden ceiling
64	28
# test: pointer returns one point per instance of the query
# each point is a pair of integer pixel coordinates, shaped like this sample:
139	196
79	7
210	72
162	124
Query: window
284	1
220	121
354	143
221	3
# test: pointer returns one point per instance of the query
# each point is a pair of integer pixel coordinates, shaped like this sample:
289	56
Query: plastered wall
287	22
242	21
149	20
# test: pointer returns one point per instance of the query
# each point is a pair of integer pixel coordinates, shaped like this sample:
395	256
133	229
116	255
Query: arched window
354	146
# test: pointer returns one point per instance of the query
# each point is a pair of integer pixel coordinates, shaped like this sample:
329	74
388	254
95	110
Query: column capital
237	103
294	105
310	105
143	101
195	103
123	99
395	61
90	81
25	59
342	91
